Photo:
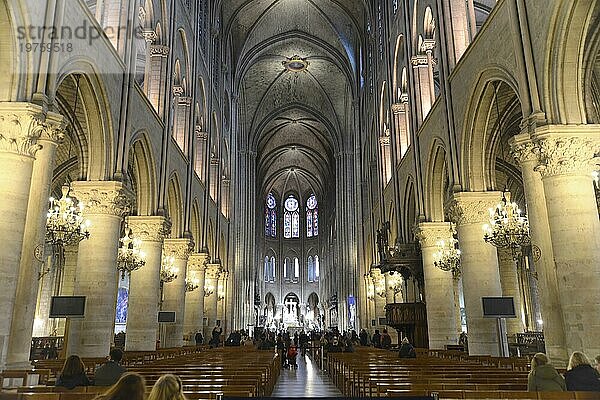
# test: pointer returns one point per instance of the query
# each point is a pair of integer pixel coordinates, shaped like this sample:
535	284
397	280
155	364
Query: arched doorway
268	319
313	314
291	311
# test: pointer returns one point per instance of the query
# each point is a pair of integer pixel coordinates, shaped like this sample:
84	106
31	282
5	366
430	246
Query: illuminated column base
211	287
194	301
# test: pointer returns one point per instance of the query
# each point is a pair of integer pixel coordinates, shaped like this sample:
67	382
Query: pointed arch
143	166
175	206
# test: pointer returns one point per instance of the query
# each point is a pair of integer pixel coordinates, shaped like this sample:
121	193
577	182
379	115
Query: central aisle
306	381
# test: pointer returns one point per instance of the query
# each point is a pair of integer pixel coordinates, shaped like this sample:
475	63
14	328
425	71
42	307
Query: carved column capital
213	271
430	233
523	149
473	207
159	50
384	140
398	108
201	135
21	125
419	61
152	229
197	262
103	197
53	128
179	248
570	155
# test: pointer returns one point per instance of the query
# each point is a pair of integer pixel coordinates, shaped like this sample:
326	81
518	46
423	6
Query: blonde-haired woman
167	387
543	376
580	375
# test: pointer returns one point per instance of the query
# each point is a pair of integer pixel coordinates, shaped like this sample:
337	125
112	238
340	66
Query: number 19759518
46	47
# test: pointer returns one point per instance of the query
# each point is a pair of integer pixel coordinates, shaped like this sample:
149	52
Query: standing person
280	346
543	376
407	350
198	338
109	373
580	375
597	361
167	387
73	374
363	337
216	336
386	340
129	387
376	339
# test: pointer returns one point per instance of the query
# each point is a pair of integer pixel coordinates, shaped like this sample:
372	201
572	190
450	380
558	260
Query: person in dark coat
386	340
198	338
73	374
363	337
376	339
543	376
407	350
109	373
580	375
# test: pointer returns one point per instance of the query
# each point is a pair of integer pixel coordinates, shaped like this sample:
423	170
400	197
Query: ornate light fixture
208	291
447	257
507	227
191	284
130	257
65	223
168	272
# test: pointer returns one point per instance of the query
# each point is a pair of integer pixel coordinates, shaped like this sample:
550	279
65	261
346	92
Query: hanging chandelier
447	256
191	284
65	223
168	272
507	227
130	257
208	291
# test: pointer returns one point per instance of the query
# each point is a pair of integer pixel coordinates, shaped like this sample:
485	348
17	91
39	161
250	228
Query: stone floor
306	381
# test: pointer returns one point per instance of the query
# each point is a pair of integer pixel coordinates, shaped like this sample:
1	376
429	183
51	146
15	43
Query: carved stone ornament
524	152
109	198
53	128
151	229
159	50
179	248
567	156
213	271
197	262
21	125
430	233
473	207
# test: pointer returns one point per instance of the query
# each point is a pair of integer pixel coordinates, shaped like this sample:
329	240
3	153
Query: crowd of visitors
580	376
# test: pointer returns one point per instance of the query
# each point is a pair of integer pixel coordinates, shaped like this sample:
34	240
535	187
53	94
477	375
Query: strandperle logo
84	32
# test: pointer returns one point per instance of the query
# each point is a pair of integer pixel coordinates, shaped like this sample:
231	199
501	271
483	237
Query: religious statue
383	241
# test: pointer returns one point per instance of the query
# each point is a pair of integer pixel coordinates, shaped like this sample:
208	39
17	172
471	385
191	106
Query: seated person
73	374
543	376
580	375
109	373
130	387
407	350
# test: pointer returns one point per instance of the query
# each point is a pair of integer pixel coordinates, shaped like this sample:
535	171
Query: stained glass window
311	269
270	216
272	269
317	272
269	269
312	217
296	268
291	220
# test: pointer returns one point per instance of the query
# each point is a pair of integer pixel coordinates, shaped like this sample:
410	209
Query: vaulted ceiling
296	121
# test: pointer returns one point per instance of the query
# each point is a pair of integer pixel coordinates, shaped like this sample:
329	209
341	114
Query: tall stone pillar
194	301
97	276
566	161
144	284
509	280
21	125
479	263
174	292
155	86
221	297
211	288
34	243
439	286
553	325
457	284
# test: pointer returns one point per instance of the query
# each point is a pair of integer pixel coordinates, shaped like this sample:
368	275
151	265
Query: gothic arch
476	135
410	211
436	182
142	161
12	64
195	224
175	206
399	68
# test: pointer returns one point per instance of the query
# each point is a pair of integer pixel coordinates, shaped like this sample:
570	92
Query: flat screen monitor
498	307
166	317
67	307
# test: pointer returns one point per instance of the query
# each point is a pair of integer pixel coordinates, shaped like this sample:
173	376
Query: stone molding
179	248
21	125
398	108
384	140
430	233
103	197
569	155
419	61
201	135
53	129
473	207
523	149
159	50
151	229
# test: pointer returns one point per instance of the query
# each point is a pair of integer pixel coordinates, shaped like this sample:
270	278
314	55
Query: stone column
541	244
479	263
211	287
21	125
194	301
144	284
52	132
221	296
439	286
566	161
174	292
456	283
155	87
509	281
97	276
424	97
